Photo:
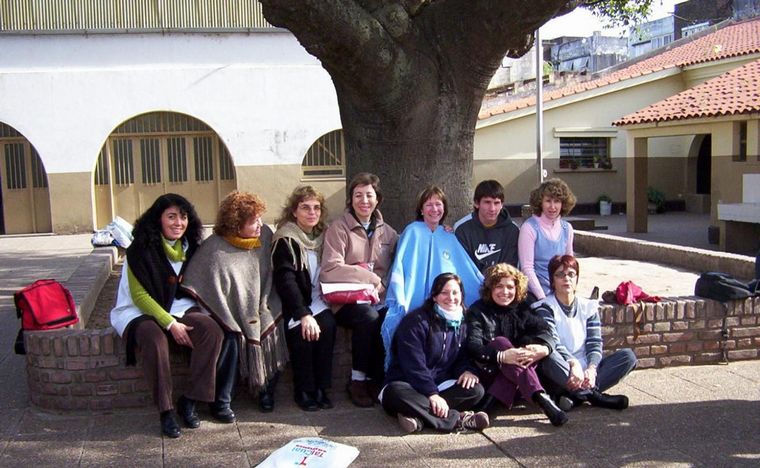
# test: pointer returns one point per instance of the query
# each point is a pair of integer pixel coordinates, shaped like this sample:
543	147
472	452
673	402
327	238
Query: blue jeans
554	371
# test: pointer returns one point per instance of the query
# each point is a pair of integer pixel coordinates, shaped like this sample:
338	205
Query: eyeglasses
565	274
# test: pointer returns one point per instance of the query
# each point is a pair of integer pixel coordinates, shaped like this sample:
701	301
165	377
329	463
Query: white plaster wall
261	92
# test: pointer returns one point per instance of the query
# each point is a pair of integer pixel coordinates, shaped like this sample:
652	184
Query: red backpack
44	305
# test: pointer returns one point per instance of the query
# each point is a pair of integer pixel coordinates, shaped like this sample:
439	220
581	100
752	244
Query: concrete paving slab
738	453
656	280
14	393
222	460
660	458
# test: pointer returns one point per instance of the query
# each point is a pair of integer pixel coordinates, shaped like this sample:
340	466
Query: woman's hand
468	380
513	356
575	380
535	352
179	333
438	406
589	380
309	328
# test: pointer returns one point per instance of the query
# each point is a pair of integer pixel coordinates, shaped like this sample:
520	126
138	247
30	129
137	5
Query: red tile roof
730	41
734	92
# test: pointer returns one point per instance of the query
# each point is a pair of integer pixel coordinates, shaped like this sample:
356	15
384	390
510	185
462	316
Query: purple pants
512	381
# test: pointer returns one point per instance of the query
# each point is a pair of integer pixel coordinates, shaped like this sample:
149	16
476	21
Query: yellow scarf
244	243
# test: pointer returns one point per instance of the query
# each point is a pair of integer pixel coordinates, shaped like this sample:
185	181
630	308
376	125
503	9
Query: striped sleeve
593	339
545	311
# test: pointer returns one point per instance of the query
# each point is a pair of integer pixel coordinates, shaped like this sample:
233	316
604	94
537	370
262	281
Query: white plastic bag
121	231
102	238
312	452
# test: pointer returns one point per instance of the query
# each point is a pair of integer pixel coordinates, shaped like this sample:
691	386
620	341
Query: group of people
451	327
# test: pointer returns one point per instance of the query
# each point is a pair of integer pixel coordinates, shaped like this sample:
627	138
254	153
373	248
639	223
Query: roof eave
580	96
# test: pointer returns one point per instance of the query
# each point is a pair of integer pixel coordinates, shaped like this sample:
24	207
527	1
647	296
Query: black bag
721	287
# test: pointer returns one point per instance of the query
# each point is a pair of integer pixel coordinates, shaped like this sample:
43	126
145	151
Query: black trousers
312	361
227	369
400	397
367	351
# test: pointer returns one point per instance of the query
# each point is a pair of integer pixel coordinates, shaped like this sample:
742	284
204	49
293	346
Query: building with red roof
683	120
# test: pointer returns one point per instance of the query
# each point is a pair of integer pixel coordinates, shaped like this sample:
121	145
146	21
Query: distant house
650	36
582	146
587	54
105	105
724	113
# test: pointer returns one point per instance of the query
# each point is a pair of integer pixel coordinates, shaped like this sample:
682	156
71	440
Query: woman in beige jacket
358	248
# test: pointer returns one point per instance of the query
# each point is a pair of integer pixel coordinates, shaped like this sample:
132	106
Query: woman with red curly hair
231	276
507	340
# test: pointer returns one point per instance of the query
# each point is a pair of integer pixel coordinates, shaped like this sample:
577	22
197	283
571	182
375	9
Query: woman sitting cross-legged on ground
152	313
507	340
430	381
309	321
231	275
576	371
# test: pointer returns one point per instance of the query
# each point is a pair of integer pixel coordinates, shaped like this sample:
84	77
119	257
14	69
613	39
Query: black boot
556	416
186	411
602	400
169	425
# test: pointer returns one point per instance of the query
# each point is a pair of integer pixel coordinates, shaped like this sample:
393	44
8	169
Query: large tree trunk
429	142
410	76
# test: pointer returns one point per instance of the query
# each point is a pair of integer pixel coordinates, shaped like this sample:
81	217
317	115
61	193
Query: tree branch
335	31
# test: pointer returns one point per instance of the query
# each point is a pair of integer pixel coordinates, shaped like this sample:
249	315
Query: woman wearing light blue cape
424	251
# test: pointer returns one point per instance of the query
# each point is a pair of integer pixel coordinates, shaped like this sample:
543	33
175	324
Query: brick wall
70	369
685	331
85	369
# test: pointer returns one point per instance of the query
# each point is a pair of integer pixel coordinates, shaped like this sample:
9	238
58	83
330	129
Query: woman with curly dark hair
150	308
309	322
231	275
507	340
545	234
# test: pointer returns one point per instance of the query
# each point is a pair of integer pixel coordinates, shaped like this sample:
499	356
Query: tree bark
410	76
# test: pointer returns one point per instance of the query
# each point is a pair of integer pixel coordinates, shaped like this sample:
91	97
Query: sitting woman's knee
500	343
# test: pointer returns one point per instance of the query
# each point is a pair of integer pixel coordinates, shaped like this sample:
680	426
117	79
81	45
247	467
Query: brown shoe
358	392
472	421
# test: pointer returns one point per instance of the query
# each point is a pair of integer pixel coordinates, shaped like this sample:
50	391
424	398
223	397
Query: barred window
101	169
575	152
177	159
325	158
39	178
151	161
15	169
204	160
226	169
122	162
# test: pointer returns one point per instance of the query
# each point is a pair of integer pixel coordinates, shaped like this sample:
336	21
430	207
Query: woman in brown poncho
231	276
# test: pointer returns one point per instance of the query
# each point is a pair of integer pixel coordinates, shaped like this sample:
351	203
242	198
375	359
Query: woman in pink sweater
545	234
